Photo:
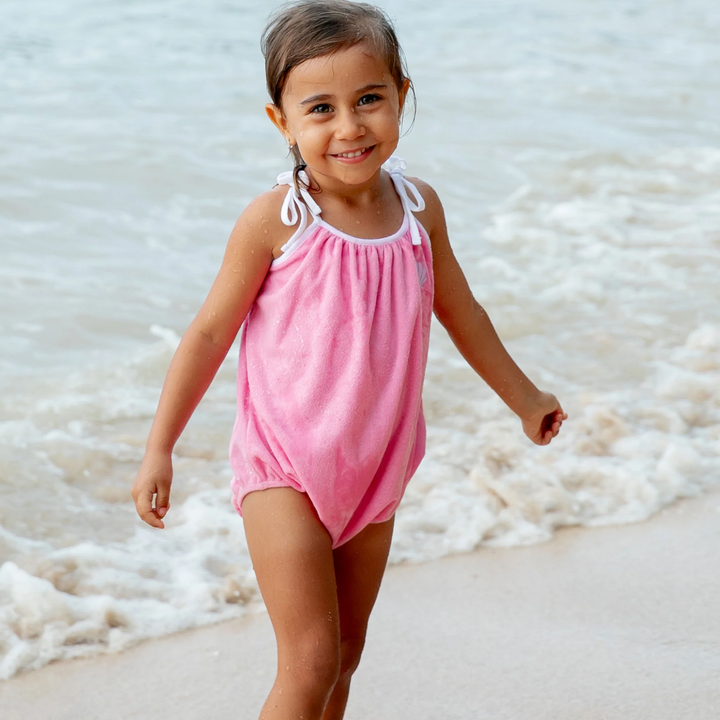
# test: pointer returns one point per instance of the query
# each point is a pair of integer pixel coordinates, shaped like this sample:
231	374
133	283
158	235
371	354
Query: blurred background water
576	147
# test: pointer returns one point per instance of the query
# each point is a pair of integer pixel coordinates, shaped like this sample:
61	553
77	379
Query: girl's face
343	111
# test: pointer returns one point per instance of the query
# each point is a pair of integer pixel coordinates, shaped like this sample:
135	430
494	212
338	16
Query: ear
402	94
278	120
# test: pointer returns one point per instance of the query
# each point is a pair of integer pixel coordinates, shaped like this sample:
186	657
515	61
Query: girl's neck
335	191
373	210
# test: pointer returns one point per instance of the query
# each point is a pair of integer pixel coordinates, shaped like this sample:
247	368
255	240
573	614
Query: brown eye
368	99
320	109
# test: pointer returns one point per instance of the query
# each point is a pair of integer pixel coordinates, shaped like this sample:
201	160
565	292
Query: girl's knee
313	664
350	652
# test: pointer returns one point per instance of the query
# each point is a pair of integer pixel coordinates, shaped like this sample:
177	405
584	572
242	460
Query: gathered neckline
402	230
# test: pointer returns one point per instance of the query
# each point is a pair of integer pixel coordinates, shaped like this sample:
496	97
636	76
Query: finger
162	501
143	502
546	423
144	508
152	519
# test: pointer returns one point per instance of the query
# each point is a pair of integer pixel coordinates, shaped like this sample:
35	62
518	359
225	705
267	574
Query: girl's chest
365	223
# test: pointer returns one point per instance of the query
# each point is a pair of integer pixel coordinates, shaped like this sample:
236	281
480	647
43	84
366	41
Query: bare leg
293	559
359	568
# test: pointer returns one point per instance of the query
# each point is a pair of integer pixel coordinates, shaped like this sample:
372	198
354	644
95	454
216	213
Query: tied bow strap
410	196
293	207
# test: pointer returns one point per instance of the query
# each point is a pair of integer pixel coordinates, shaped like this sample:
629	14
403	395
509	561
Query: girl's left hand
544	421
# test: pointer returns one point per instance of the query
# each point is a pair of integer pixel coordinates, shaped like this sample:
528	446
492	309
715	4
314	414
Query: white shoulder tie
293	207
405	189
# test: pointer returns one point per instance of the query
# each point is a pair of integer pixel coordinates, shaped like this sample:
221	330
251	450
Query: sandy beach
611	623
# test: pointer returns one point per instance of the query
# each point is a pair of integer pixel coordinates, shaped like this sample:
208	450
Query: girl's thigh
292	556
359	568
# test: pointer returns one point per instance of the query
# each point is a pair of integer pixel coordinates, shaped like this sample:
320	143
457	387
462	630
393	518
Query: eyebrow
325	96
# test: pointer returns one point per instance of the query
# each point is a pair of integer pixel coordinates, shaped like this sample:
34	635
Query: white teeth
357	153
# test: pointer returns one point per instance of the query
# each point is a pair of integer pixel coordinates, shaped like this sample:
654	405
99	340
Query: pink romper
331	368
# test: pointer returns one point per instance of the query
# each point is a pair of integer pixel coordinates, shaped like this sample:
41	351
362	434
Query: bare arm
475	337
253	243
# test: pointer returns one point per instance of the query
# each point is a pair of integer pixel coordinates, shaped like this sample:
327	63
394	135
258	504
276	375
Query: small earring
289	144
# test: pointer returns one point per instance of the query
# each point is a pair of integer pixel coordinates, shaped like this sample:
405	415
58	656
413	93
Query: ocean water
576	147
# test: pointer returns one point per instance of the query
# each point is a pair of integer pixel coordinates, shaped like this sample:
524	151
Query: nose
349	125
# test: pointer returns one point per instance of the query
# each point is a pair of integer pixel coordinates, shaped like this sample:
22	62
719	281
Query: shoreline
605	623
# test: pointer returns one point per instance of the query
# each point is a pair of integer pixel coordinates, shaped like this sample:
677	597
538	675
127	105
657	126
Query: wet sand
611	623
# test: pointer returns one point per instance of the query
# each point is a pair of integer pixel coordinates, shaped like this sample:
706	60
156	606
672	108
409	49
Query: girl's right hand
154	478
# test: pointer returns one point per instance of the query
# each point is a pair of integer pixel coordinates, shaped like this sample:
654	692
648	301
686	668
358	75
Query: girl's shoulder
433	216
267	206
262	220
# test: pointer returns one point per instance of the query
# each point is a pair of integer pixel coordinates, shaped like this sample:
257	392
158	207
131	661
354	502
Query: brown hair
307	29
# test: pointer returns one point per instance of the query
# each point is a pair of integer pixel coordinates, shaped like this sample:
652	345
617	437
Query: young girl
335	273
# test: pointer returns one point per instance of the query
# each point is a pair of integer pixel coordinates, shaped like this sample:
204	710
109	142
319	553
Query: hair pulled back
307	29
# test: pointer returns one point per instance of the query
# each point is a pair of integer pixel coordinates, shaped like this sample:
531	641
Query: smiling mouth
352	154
